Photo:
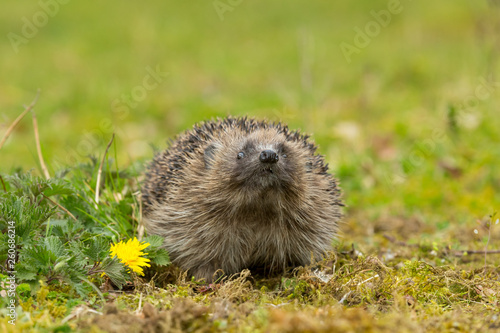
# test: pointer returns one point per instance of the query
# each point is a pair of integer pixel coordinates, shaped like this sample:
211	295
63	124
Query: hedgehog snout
269	156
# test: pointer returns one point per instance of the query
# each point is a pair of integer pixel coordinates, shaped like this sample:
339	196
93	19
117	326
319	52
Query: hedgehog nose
269	156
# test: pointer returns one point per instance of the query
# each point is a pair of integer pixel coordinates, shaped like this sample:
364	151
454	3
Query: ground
402	98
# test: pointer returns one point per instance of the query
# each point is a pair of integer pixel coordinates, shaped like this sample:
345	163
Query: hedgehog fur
239	193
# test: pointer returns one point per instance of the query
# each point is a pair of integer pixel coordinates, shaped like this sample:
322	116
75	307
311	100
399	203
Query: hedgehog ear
209	155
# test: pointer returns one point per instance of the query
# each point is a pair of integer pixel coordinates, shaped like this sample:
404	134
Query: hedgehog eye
284	155
241	155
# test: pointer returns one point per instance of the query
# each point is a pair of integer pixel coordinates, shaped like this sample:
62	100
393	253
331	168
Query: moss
362	295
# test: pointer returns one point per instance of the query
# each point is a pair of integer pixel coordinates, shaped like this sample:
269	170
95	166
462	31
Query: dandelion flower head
130	253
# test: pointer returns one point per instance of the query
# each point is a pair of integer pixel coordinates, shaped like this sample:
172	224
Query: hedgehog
238	193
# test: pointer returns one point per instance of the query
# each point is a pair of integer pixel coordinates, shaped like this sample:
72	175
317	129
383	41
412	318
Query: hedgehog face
261	161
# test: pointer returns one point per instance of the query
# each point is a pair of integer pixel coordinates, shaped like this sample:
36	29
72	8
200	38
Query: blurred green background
410	124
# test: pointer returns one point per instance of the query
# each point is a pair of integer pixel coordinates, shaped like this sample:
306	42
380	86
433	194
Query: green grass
410	127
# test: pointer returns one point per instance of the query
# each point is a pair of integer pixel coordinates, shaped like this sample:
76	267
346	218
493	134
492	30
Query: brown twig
467	252
100	171
401	243
3	184
457	253
18	119
39	147
58	205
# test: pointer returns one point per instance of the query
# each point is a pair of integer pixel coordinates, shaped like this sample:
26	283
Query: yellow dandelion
130	254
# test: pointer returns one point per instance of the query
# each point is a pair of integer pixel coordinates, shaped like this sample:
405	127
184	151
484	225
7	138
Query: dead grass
340	293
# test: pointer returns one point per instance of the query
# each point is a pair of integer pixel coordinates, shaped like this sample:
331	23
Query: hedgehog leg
208	272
